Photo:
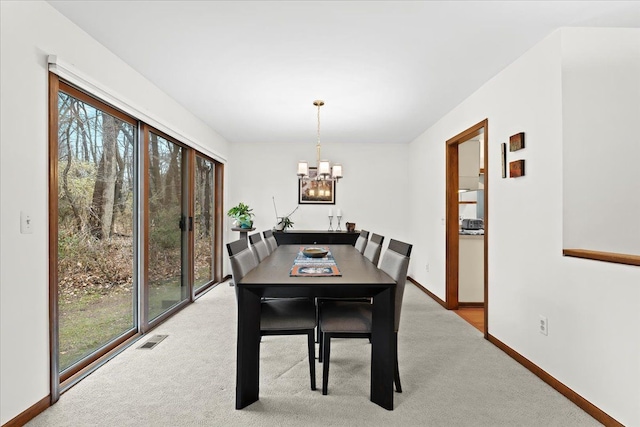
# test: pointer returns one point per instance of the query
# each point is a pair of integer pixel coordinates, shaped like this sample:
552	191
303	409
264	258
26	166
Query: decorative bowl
315	252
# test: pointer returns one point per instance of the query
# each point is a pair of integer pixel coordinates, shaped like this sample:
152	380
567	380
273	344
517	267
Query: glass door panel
96	232
167	226
204	222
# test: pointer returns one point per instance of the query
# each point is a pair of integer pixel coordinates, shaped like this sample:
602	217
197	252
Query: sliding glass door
135	229
168	225
204	223
96	229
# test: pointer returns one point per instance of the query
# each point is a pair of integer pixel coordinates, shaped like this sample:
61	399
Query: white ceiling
387	70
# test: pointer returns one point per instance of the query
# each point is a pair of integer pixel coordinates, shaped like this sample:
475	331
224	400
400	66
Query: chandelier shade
303	168
336	171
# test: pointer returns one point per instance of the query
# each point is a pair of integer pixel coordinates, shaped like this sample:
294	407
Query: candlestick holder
330	221
339	218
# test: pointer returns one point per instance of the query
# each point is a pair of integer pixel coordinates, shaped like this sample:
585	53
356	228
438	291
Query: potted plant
284	223
242	215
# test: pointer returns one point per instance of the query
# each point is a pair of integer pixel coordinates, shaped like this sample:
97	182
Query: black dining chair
350	319
260	249
278	316
374	248
270	240
361	241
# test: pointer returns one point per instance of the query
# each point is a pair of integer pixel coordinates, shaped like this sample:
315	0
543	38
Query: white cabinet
471	269
468	165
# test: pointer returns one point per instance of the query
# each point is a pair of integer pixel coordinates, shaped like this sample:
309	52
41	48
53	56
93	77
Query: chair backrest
373	248
241	258
272	243
400	247
259	246
395	262
263	237
361	242
237	246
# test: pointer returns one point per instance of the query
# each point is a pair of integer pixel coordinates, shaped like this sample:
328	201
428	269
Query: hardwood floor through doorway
473	315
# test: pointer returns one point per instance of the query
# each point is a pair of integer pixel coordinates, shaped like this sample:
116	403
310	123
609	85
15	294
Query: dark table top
355	269
317	231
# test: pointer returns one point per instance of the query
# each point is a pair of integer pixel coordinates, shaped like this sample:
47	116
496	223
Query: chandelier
325	172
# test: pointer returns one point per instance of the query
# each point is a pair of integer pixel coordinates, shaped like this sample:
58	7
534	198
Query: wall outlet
543	326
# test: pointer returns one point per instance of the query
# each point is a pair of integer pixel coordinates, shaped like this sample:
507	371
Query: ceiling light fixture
324	170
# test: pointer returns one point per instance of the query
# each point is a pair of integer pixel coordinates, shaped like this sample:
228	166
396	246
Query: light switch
26	225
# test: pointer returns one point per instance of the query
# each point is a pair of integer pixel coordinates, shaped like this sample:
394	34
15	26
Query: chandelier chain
319	105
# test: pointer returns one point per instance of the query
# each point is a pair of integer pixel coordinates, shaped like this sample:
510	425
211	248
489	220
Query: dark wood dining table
359	278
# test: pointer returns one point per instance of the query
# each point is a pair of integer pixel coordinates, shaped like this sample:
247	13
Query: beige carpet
451	376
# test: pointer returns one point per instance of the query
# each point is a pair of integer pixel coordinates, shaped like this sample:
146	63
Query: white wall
30	32
373	192
601	154
593	308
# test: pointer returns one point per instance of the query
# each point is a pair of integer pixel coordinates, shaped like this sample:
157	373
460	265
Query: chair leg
326	341
396	373
317	320
312	358
318	333
321	345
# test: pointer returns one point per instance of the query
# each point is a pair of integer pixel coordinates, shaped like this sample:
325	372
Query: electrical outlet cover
544	325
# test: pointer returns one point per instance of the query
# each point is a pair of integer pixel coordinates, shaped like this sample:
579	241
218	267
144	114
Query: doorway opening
467	225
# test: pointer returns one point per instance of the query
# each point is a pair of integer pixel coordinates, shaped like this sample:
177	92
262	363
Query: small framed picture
503	159
516	142
516	168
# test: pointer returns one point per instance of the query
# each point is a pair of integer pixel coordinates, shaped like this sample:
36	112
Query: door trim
452	243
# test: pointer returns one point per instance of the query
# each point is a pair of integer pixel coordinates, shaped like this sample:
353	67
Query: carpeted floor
451	376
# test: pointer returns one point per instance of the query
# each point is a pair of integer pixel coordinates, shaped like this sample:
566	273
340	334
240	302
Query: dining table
358	278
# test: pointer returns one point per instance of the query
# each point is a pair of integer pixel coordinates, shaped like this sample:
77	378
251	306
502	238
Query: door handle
183	223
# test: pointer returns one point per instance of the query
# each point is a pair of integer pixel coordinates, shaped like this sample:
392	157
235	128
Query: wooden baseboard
580	401
470	304
426	291
29	413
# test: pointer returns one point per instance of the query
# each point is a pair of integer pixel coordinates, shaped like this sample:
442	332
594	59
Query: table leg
248	348
383	349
